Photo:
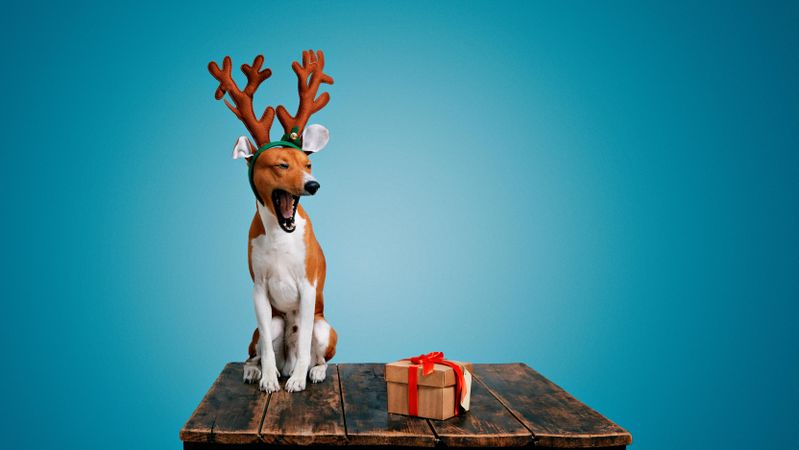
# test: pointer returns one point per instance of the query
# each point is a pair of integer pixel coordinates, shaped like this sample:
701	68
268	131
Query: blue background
606	191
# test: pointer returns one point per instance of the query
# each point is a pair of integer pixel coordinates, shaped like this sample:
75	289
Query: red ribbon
427	363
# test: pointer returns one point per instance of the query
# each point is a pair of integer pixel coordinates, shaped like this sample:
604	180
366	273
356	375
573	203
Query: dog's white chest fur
278	261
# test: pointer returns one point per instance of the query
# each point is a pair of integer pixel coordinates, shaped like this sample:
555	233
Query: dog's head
280	175
280	171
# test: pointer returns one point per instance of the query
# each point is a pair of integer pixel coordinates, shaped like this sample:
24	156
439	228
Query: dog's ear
314	138
243	148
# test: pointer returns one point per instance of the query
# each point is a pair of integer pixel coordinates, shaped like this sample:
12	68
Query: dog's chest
278	260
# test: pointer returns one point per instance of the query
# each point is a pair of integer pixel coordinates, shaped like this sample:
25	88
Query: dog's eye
283	165
308	165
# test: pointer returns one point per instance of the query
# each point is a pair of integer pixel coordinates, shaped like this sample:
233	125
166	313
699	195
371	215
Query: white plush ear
314	138
243	148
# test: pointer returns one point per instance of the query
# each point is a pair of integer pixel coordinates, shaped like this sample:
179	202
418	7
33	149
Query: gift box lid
442	375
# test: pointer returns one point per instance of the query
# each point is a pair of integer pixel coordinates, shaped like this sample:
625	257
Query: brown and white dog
287	265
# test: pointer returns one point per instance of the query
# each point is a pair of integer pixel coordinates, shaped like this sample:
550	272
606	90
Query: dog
286	262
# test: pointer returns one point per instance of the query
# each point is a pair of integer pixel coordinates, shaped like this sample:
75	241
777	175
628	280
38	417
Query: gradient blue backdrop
606	191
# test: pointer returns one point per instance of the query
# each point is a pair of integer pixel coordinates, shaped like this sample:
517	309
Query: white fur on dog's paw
251	373
269	381
295	384
317	373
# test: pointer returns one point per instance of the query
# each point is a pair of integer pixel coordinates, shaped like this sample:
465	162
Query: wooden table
512	405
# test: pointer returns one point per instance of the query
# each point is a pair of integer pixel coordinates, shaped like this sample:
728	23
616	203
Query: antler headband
310	75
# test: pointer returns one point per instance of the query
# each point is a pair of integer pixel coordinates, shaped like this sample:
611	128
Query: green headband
255	157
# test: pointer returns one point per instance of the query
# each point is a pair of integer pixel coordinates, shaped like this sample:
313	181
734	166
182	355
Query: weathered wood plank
313	416
230	413
363	392
487	424
215	446
261	446
555	418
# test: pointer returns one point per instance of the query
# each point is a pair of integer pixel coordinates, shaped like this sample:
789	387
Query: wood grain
230	413
487	424
313	416
363	392
555	418
509	401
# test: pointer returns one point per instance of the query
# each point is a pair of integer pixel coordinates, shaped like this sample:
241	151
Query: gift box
428	386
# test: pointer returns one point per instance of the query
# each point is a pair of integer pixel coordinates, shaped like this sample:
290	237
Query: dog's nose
311	187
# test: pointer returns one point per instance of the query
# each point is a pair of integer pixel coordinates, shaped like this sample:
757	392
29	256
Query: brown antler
313	65
258	128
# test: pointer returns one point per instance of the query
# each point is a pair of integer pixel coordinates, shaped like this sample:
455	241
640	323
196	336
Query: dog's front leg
304	333
263	312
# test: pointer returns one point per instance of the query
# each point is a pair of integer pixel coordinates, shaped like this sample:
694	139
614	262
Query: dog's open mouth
285	209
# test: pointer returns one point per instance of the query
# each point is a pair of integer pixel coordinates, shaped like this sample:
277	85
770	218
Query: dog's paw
252	373
269	381
317	373
295	384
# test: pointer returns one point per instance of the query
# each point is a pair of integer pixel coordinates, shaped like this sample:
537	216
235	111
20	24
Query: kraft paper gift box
436	391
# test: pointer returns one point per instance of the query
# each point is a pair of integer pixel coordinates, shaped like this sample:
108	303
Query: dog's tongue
286	205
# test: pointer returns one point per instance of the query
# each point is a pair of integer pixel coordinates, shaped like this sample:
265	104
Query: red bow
428	362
